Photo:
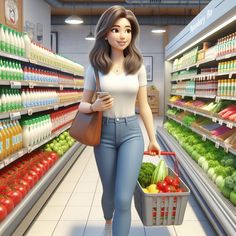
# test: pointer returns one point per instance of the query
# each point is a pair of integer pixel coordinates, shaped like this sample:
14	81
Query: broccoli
145	173
229	182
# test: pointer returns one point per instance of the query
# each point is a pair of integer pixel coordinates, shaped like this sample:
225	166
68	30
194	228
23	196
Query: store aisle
74	209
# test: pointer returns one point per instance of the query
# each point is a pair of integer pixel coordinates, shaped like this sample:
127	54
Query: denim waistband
119	119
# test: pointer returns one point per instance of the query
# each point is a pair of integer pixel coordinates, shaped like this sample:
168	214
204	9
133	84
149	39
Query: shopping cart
162	208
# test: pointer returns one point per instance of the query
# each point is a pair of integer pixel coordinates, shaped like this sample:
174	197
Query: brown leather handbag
86	127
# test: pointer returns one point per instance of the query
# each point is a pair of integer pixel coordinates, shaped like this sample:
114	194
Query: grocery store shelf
35	62
205	136
8	55
23	151
16	115
226	56
218	209
19	219
197	64
194	96
228	123
32	84
203	76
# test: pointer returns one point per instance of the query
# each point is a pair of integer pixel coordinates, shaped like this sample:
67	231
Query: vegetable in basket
145	173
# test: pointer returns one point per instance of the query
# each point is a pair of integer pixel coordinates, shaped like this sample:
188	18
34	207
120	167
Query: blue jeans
119	158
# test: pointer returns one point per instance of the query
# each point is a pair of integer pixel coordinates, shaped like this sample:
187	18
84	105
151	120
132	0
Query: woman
121	74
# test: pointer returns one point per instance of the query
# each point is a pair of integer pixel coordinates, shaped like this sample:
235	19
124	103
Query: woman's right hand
103	103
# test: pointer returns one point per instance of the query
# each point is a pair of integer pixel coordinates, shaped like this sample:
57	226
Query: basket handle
165	153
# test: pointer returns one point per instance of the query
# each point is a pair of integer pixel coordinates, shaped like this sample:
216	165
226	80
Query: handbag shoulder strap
98	88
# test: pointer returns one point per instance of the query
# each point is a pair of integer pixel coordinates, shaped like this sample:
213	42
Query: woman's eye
128	31
114	30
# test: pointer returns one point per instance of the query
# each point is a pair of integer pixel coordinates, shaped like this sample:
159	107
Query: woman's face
119	36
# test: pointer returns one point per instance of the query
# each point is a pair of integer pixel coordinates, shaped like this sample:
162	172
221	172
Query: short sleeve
89	80
142	76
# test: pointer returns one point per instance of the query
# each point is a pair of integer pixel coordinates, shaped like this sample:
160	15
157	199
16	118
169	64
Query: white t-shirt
123	88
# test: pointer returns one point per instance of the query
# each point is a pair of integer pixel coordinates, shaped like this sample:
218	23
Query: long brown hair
100	53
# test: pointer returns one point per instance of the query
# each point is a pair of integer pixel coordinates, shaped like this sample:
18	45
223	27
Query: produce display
155	179
19	177
60	144
219	165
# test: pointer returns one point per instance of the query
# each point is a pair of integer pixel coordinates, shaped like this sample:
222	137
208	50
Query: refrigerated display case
200	95
39	97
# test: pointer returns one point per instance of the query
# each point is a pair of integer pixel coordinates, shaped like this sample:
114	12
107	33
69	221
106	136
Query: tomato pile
19	177
169	184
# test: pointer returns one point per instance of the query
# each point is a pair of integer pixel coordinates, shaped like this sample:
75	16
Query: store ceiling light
90	36
74	20
158	31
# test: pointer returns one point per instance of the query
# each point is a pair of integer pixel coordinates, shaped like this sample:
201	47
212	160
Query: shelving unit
218	209
23	214
219	21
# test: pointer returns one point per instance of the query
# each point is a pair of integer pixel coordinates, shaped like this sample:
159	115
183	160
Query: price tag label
226	148
15	115
217	99
7	161
217	144
213	76
229	125
214	119
56	107
61	87
197	65
183	96
230	75
33	61
30	149
15	157
2	165
30	112
20	153
31	85
15	84
221	122
194	97
204	137
187	68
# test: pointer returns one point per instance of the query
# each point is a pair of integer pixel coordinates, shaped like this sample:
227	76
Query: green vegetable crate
161	208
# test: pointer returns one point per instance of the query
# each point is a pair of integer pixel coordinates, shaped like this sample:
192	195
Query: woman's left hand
154	146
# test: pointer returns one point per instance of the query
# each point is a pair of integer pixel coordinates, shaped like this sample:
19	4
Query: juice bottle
11	137
20	133
8	139
14	136
26	131
3	153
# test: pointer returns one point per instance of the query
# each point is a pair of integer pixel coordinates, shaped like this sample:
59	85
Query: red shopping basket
162	208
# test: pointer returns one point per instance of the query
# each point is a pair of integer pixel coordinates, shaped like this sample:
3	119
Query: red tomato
167	189
161	185
169	179
54	156
24	183
29	179
15	195
3	212
180	190
21	188
42	167
38	170
34	175
176	182
7	202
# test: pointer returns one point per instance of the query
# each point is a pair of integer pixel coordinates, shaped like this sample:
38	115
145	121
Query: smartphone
102	94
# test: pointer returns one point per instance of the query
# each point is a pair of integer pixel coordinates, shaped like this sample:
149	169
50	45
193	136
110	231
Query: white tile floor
74	209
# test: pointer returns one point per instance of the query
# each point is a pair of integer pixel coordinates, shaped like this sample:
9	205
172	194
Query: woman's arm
146	115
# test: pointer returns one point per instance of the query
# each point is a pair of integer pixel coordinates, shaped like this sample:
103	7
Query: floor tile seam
69	197
90	208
